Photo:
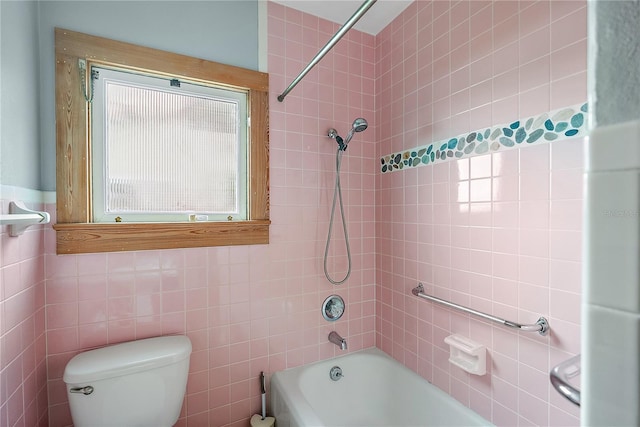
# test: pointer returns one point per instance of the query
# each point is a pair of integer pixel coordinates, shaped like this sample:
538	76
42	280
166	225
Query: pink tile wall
23	382
498	232
246	308
446	68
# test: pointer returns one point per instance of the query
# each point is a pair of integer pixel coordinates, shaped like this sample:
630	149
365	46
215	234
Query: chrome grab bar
541	326
560	376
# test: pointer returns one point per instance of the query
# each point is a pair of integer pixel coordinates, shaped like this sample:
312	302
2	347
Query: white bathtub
376	390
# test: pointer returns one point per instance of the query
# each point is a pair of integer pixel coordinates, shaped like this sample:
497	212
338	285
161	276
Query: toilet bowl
139	383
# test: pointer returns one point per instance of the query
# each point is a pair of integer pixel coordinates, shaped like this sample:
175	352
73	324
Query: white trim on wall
10	192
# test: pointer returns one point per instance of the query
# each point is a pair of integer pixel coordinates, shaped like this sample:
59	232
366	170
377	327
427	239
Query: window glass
166	149
139	177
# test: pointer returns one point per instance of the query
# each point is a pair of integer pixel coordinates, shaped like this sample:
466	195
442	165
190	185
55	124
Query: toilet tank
137	383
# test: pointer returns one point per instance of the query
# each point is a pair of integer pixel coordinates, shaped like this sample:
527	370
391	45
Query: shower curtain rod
335	39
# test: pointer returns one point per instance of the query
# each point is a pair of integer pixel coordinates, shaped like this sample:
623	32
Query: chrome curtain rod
541	326
335	39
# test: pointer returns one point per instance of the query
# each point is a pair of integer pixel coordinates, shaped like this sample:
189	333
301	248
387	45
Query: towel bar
20	218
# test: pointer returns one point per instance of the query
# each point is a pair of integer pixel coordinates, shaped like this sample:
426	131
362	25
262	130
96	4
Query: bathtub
375	390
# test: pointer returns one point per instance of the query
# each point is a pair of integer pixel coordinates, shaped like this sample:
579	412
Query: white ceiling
339	11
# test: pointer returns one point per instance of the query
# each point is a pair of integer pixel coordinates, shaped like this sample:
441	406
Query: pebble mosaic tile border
553	126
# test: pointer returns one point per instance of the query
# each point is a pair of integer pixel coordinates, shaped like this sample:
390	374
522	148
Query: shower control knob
333	308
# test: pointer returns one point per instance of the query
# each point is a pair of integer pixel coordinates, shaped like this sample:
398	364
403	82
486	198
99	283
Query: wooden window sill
78	238
75	233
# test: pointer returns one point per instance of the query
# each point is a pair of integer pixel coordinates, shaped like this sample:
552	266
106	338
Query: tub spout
336	339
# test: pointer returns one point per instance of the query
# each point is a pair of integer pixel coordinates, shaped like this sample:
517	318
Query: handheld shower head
358	125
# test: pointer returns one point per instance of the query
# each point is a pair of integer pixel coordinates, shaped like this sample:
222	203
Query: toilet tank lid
126	358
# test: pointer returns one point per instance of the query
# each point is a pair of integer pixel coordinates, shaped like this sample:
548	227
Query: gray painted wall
614	52
20	95
221	31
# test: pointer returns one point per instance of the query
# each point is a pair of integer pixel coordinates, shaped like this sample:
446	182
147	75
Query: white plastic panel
611	300
611	387
613	239
615	147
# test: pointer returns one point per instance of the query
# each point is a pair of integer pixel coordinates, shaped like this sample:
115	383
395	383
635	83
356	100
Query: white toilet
137	383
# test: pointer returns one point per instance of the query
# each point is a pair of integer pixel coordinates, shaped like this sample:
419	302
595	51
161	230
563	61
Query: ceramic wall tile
505	236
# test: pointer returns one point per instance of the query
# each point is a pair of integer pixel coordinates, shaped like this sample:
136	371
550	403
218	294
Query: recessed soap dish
467	354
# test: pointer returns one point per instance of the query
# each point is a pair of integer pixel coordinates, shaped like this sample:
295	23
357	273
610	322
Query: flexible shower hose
337	193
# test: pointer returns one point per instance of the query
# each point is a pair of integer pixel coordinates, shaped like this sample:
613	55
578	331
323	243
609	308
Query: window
166	149
172	151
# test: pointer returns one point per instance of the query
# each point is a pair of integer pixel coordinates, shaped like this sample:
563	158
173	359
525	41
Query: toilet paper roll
257	421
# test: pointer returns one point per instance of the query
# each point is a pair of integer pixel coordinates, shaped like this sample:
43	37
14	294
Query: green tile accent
556	125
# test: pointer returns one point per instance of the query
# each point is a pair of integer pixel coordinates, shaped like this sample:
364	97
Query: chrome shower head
359	124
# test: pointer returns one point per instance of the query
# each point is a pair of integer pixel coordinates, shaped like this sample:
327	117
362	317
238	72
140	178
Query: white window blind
163	152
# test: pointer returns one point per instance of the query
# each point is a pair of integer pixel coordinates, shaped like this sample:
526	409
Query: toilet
138	383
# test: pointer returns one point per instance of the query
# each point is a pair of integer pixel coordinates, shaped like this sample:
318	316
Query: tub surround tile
612	313
601	158
524	250
613	336
612	216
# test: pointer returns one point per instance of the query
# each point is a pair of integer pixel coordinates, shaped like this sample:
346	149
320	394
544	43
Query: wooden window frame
75	233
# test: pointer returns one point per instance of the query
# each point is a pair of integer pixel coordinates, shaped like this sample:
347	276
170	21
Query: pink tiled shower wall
500	232
247	308
448	68
23	376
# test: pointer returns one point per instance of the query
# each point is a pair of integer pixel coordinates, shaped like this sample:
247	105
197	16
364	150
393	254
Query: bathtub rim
297	404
